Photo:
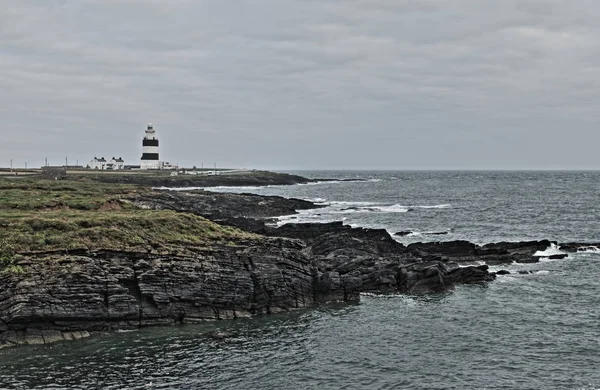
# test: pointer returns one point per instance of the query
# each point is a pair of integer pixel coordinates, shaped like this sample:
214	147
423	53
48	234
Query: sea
539	330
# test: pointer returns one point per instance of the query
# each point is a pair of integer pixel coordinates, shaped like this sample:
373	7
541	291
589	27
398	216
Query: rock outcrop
66	295
469	253
248	212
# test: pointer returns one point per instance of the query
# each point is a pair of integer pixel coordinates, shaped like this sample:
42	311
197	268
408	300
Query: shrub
7	252
8	257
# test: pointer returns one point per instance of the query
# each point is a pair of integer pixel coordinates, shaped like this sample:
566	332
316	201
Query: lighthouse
150	150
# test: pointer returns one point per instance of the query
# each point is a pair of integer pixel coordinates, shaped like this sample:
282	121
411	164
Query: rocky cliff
62	294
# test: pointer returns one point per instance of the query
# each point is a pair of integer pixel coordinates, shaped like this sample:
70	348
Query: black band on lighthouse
149	142
150	156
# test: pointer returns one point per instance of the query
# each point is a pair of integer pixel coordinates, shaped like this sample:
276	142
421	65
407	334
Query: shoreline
189	257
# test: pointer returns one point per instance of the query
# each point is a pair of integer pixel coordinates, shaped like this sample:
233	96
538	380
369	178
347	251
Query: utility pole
46	161
11	164
66	162
25	165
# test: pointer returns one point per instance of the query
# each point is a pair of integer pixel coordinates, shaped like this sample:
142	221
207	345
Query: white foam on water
319	201
358	180
588	249
316	183
235	188
553	249
549	260
344	203
396	208
505	279
437	206
337	207
177	188
363	207
402	297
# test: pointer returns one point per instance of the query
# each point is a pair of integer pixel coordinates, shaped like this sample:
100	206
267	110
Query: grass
8	257
38	215
31	194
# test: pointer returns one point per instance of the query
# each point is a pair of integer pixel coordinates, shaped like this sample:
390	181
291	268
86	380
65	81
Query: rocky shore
241	178
253	268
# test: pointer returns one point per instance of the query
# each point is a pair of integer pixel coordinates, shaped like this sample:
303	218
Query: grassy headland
46	215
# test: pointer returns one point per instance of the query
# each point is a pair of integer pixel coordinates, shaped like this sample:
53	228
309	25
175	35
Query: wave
358	180
236	188
345	203
362	207
319	201
396	208
588	249
553	249
177	188
335	210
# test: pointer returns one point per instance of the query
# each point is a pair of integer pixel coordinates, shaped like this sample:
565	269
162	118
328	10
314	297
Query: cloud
304	84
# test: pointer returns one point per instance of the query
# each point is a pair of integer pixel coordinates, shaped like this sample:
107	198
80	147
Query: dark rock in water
403	233
523	272
438	277
558	256
503	272
220	335
436	233
496	253
449	248
572	247
508	252
369	260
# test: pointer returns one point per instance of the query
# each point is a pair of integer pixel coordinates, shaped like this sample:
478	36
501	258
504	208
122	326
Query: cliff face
61	295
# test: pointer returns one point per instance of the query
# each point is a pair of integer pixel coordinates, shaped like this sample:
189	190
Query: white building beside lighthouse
150	158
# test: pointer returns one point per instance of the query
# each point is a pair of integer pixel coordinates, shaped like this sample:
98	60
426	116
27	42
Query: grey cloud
304	84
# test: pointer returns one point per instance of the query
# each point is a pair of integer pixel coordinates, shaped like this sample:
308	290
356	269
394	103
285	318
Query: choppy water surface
539	330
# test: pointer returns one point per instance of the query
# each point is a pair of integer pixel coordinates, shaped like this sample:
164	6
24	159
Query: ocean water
539	330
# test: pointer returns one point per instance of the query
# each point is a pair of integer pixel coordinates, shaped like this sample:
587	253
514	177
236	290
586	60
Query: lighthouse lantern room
150	158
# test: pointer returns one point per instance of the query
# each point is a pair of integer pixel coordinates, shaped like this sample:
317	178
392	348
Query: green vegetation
39	215
8	258
30	194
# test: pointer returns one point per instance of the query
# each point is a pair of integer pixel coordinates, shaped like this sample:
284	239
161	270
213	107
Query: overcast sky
306	84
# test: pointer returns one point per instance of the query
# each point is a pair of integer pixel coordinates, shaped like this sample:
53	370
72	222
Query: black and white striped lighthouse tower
150	150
